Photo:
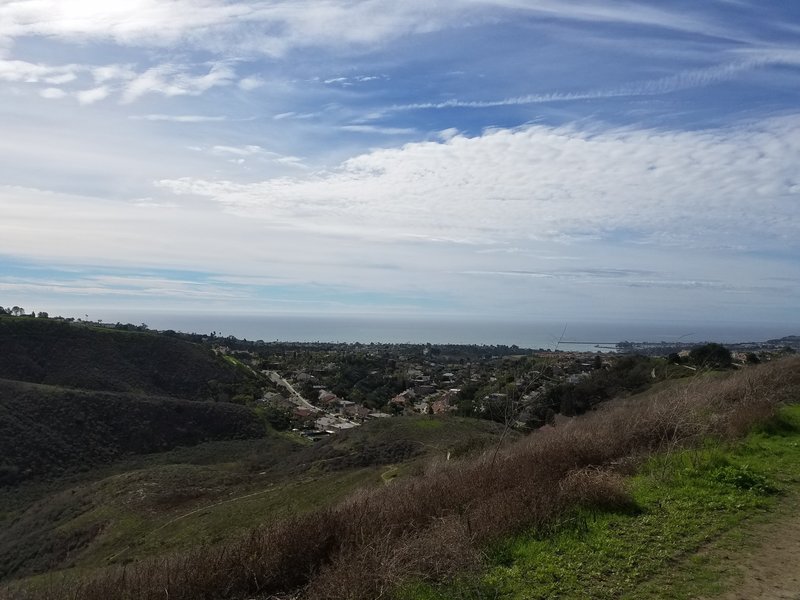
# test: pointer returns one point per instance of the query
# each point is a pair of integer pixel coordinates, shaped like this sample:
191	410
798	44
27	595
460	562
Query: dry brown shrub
593	487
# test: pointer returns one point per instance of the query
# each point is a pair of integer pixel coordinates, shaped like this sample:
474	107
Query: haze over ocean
526	334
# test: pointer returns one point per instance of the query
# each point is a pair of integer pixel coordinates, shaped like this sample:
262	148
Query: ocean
525	334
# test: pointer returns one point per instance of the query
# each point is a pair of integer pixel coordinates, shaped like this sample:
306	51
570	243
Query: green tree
752	358
714	356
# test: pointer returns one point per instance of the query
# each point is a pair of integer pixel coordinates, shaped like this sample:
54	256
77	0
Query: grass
686	506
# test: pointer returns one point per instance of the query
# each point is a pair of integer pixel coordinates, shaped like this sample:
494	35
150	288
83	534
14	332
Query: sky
504	159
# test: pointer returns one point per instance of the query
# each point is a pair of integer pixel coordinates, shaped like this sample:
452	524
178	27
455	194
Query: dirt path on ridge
771	567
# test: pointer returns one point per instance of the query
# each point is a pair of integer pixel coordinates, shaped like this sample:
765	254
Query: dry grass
434	526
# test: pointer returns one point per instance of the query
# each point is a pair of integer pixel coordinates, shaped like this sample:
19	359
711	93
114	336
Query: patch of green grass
685	506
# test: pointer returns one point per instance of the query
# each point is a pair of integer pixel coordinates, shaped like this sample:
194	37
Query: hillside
613	499
73	355
45	430
175	500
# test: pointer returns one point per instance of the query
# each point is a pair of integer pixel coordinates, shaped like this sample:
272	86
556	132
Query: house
356	411
441	406
404	398
424	390
378	415
328	399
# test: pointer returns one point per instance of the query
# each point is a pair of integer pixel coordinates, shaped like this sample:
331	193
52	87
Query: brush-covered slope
45	430
398	440
148	505
75	355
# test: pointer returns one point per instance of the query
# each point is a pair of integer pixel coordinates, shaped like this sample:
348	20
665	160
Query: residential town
319	389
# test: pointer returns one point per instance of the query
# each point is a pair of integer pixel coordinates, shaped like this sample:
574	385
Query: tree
17	311
752	358
711	355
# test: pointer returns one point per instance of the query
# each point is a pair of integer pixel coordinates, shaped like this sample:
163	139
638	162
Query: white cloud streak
379	130
704	188
274	27
27	72
166	79
692	78
171	80
179	118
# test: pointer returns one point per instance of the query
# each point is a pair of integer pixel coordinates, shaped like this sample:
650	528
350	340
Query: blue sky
520	159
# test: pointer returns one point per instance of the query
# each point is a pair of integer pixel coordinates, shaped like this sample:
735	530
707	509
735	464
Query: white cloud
106	73
173	80
27	72
448	134
60	79
165	79
93	95
52	93
273	27
292	161
179	118
294	115
247	150
729	188
108	285
378	129
251	83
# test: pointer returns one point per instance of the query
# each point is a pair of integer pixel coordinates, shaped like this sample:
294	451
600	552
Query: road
276	378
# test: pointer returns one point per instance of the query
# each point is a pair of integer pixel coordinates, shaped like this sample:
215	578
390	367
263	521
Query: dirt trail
771	568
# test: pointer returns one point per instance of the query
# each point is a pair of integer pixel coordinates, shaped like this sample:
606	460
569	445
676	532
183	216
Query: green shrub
744	478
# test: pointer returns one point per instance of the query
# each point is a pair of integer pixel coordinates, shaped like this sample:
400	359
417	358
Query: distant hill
793	341
54	352
46	430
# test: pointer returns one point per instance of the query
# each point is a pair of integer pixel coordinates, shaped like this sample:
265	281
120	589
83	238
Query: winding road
276	378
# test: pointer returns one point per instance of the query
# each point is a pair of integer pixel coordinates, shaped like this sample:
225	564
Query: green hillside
142	506
54	352
45	430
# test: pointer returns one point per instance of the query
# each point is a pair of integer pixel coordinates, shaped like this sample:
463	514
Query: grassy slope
685	505
45	430
211	492
57	353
